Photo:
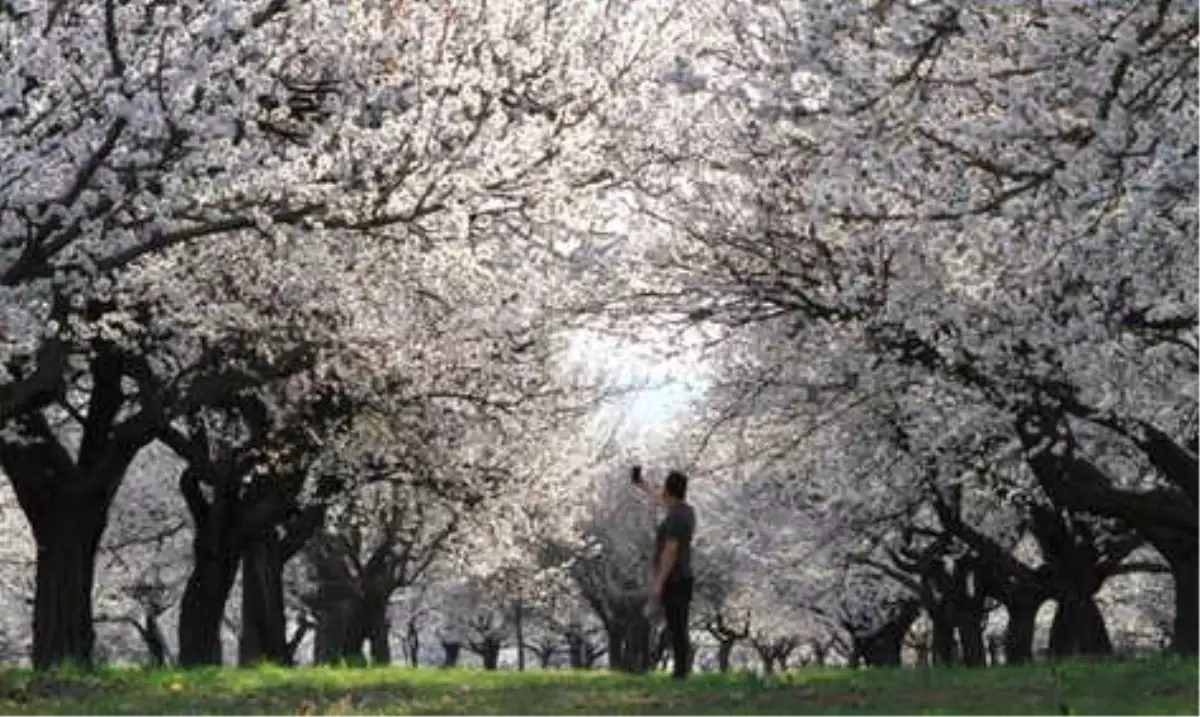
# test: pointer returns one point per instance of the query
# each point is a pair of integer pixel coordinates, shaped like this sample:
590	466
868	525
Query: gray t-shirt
680	524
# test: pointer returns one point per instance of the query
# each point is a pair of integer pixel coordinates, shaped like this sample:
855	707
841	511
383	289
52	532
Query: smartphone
635	475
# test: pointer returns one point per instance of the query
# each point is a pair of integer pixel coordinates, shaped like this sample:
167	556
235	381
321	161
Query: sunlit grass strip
1160	686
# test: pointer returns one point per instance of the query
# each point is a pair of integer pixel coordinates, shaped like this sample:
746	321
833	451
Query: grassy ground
1143	687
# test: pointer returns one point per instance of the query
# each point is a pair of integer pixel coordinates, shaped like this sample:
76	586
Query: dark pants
676	601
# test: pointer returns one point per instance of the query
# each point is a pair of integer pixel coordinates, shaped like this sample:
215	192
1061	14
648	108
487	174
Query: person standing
673	578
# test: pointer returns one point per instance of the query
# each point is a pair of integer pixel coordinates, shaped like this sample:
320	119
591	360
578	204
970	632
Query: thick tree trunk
66	504
264	625
451	651
346	622
1078	628
1018	634
341	632
616	644
629	648
378	633
943	641
63	630
215	557
884	646
489	652
203	607
1180	552
970	637
1187	601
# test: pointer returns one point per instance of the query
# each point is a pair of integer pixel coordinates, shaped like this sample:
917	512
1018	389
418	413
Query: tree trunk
1078	628
924	651
379	637
1187	602
519	615
335	632
293	645
63	631
768	659
943	641
660	653
451	651
591	655
724	651
489	651
576	649
203	607
1018	634
884	646
66	505
616	644
264	625
215	557
783	658
629	648
819	653
970	637
156	643
412	643
344	624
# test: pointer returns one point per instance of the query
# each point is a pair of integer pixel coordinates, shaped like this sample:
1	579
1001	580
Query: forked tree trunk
65	499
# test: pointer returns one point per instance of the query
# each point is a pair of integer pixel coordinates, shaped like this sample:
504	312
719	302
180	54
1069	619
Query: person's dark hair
676	485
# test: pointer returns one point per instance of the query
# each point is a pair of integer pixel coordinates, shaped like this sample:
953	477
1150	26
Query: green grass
1160	686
